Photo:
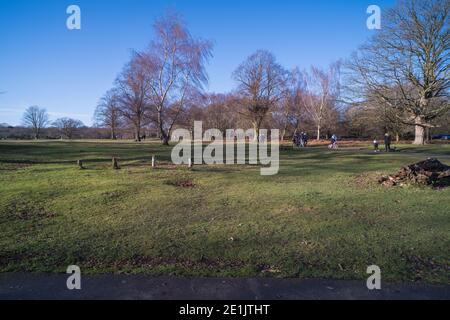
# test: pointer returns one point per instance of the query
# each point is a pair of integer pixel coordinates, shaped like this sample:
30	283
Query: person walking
305	139
296	140
376	145
387	142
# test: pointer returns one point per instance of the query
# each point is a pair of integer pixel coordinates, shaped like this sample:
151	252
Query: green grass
322	216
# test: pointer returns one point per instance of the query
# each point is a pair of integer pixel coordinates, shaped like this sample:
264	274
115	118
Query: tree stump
115	164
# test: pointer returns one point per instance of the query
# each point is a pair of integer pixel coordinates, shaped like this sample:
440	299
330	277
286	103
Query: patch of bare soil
430	172
187	184
23	210
366	179
422	265
111	196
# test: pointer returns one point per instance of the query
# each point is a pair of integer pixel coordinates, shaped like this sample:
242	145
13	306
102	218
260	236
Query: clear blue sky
43	63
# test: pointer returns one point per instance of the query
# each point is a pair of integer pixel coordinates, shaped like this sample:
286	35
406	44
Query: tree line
398	82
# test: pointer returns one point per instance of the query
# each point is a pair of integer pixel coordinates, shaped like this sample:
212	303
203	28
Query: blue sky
43	63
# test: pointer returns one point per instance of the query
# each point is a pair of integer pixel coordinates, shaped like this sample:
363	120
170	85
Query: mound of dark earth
430	172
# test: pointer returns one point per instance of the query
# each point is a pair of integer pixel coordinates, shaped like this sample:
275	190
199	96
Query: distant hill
4	125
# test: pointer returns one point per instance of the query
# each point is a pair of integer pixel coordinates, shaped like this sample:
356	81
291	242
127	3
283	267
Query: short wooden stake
153	162
115	164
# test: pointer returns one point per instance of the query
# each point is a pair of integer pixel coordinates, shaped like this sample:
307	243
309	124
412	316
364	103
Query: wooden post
115	164
80	164
153	162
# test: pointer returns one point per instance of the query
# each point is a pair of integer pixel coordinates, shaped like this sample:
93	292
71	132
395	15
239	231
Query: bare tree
406	64
68	127
174	67
290	111
390	119
107	113
219	113
37	119
261	83
131	88
322	91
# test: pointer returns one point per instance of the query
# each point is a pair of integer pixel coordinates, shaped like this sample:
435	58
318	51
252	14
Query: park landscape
323	216
109	198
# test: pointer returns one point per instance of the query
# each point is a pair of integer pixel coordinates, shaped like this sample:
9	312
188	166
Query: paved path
41	286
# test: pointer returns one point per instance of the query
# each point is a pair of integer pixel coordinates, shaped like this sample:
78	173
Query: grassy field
322	216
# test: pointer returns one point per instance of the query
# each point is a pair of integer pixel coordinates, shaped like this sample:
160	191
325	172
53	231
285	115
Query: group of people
301	140
387	143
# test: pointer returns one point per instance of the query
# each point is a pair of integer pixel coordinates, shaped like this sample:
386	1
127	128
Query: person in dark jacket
296	140
387	142
305	139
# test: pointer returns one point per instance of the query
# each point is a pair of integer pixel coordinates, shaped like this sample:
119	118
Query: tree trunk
318	132
419	124
165	139
256	128
137	134
419	135
283	135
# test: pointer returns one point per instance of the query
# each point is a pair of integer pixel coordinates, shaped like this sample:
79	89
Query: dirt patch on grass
112	195
8	257
185	184
421	266
23	210
366	180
